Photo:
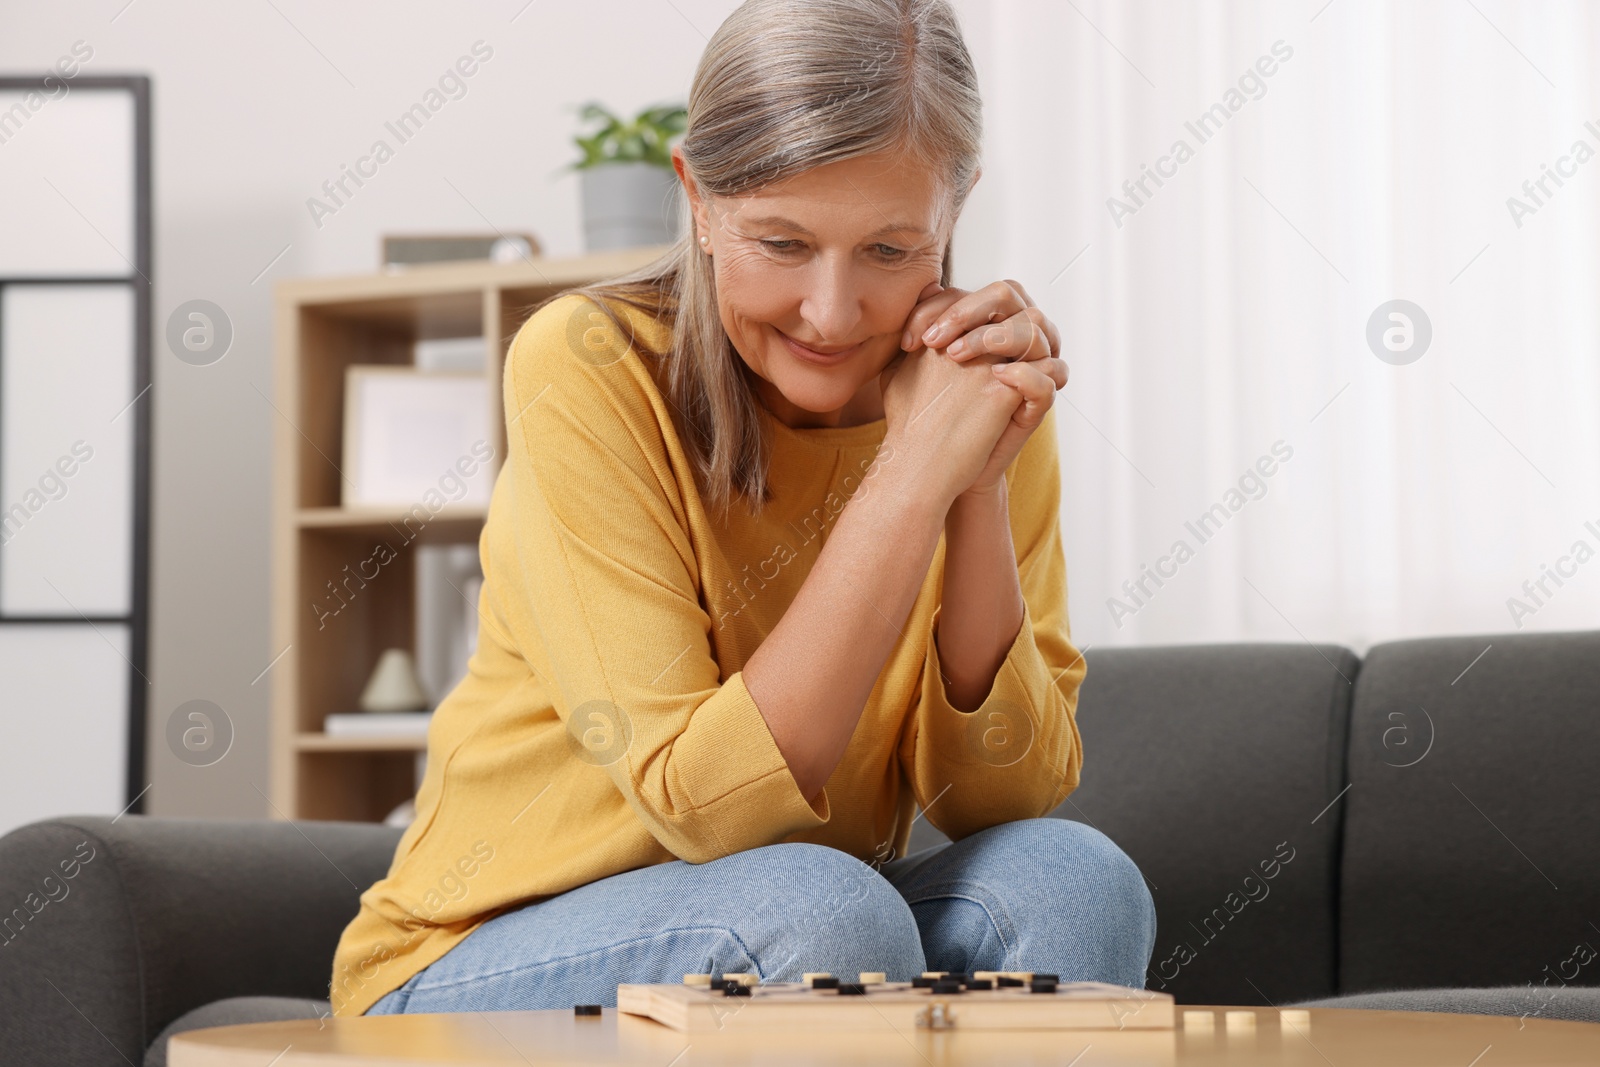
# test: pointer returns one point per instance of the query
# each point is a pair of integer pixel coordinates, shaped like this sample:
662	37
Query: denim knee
1126	891
829	912
1063	841
1065	867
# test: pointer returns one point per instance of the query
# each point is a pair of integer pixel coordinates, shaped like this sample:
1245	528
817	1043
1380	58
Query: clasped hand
979	372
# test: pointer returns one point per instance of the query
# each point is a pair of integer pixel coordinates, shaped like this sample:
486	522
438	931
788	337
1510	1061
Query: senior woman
773	560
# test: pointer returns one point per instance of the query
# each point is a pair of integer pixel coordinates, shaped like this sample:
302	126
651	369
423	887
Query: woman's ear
697	205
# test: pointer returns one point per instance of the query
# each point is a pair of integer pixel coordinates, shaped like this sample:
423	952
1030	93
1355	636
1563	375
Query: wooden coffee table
549	1038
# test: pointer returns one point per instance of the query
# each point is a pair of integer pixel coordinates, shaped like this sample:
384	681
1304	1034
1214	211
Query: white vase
629	205
394	685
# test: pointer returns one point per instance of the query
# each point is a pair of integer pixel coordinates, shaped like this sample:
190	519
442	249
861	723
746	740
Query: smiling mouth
814	355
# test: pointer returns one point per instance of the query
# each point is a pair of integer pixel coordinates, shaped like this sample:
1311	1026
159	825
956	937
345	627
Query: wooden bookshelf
321	327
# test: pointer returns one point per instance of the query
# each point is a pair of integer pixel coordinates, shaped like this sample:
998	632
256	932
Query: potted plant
631	194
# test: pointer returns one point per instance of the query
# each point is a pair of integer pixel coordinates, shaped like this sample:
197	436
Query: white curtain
1226	316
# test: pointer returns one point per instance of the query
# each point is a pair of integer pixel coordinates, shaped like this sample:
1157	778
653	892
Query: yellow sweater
603	724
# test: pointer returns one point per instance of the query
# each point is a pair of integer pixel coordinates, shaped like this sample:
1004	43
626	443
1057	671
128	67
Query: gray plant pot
626	205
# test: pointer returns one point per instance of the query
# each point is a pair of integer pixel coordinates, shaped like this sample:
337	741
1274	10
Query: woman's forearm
981	609
812	675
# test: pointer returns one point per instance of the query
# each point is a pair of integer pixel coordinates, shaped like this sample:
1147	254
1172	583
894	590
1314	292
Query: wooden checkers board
901	1006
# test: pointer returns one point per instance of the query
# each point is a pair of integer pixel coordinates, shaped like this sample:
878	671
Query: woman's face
816	276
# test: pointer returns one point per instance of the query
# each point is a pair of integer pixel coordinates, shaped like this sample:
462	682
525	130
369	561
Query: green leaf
645	138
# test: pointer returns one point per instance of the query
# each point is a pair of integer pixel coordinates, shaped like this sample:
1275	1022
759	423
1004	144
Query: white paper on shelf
375	723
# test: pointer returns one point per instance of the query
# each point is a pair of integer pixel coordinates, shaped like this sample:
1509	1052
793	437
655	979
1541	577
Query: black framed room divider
75	416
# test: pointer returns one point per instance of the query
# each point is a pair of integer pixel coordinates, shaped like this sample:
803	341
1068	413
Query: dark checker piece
824	983
1004	981
586	1009
1042	985
926	983
944	985
980	983
852	989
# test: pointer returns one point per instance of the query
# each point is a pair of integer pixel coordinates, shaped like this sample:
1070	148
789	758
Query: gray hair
784	86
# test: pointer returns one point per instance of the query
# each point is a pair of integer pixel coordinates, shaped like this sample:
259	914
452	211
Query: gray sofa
1417	829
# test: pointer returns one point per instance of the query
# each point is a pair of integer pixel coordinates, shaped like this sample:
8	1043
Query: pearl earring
704	240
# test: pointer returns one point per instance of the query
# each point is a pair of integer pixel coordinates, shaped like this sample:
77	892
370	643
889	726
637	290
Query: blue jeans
1034	895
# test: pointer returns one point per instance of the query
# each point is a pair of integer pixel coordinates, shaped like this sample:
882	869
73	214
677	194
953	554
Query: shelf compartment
361	786
448	525
309	742
341	631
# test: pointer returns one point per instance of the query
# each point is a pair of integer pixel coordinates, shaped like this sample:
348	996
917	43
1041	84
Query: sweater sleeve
1018	754
600	589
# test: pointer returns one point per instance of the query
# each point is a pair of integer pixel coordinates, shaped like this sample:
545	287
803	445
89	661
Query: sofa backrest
1472	834
1216	768
1443	811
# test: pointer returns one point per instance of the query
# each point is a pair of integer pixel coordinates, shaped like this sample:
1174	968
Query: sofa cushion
1556	1002
233	1012
1214	767
1472	816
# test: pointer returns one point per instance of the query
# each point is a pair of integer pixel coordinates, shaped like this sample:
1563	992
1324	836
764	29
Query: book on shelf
377	723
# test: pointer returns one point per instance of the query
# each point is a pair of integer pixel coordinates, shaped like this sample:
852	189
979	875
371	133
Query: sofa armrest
112	928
